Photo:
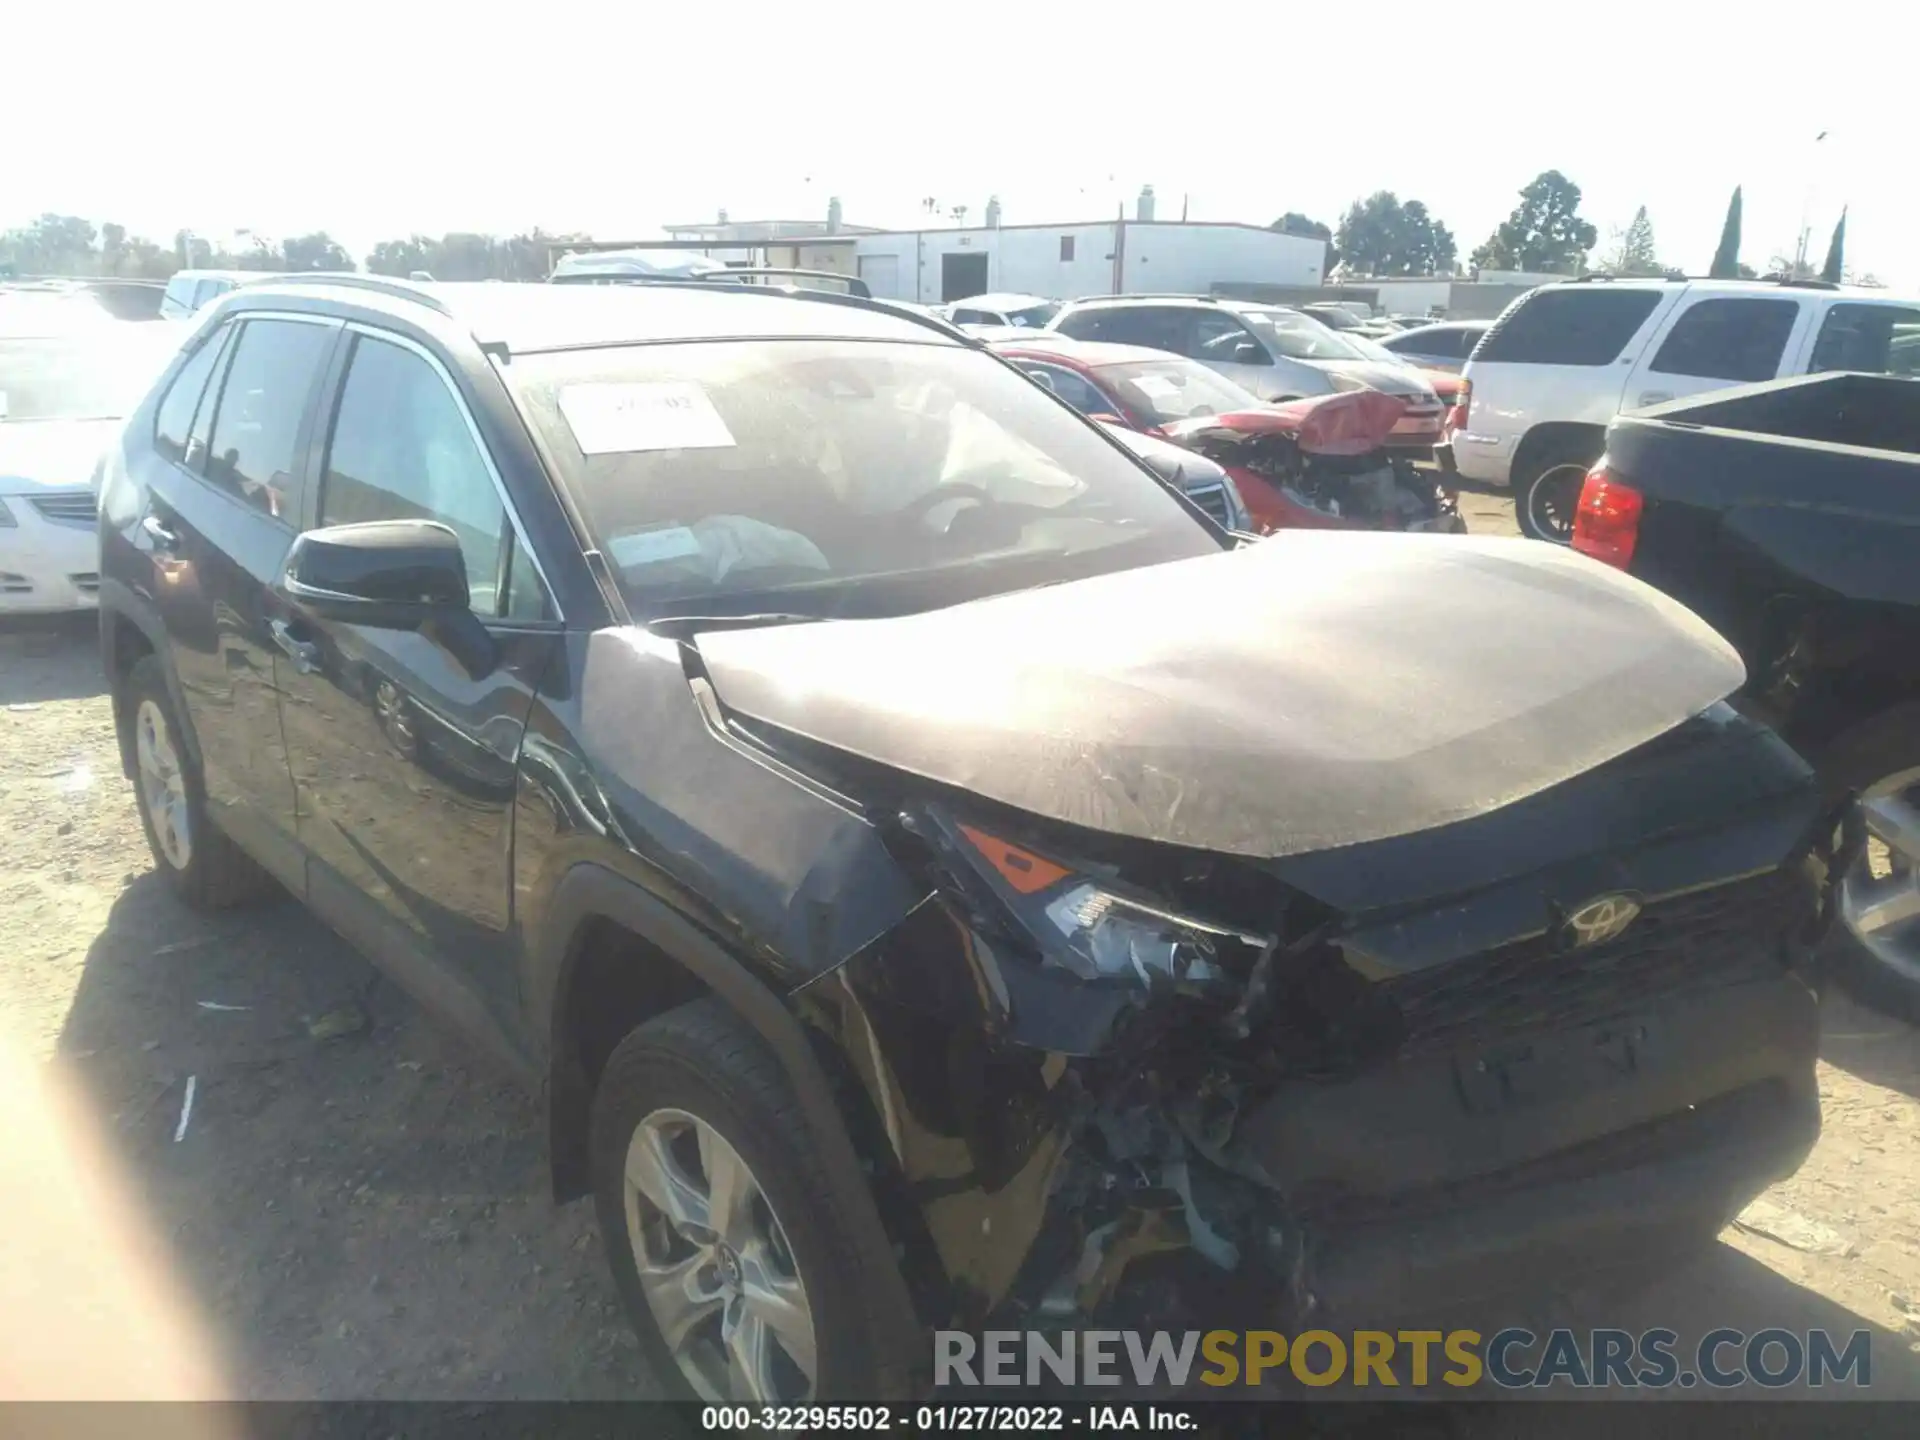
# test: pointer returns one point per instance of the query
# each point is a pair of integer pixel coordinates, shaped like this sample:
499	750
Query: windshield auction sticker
614	419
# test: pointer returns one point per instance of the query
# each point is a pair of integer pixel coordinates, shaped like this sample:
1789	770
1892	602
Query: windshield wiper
685	627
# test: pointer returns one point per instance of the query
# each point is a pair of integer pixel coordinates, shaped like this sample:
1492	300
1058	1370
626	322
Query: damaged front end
1323	463
1115	1082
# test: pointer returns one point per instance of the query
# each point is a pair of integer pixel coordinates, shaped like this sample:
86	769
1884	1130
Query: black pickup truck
1787	515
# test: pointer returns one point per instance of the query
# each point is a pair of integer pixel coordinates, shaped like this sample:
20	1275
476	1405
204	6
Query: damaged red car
1321	463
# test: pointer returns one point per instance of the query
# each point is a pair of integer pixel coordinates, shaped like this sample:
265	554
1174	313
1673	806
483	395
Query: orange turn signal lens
1026	872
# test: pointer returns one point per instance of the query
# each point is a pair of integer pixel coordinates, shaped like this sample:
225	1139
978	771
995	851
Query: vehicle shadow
357	1202
48	658
1876	1047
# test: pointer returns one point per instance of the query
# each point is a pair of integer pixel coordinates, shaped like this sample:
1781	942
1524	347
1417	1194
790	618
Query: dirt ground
364	1214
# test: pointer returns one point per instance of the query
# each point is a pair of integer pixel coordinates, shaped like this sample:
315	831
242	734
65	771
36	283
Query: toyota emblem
1602	919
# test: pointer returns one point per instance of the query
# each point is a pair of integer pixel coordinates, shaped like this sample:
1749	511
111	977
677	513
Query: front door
223	502
404	753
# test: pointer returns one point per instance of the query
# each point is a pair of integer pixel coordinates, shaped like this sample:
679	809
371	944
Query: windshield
1172	389
97	372
1334	318
838	478
1033	317
1300	337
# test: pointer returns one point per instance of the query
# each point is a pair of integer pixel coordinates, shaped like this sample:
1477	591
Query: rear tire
690	1093
204	868
1879	964
1546	487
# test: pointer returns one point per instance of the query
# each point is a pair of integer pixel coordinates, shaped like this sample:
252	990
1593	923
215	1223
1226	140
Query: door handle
305	654
1655	397
159	534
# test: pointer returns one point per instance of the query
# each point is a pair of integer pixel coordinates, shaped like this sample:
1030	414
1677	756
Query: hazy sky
375	120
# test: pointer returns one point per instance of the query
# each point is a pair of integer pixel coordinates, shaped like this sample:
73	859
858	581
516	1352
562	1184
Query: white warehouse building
1110	257
1103	257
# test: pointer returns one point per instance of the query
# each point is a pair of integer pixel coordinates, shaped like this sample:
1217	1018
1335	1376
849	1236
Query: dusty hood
1310	691
58	454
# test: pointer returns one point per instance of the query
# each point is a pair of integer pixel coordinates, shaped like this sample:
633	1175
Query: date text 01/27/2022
931	1419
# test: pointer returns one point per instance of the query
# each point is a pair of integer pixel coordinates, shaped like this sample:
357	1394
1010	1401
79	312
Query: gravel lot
365	1216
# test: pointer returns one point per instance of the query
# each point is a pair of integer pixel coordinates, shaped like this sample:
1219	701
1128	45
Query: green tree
1726	259
113	248
1381	236
1545	232
318	251
52	245
1836	250
1634	252
402	257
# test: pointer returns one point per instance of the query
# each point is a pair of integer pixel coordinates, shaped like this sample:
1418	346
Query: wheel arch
593	908
1553	436
129	632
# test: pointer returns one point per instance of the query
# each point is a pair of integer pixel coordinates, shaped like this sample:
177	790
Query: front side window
256	425
1879	339
1220	339
1734	339
833	478
1070	387
1574	325
401	449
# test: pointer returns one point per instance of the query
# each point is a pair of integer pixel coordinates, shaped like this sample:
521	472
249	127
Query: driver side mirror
390	575
386	574
1246	352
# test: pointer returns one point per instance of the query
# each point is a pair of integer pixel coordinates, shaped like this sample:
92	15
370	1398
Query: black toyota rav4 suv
936	876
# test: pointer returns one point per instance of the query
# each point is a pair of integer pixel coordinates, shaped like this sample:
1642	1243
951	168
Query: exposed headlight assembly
1097	929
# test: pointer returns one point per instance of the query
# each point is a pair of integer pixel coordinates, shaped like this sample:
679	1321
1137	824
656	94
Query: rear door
404	754
1715	341
222	503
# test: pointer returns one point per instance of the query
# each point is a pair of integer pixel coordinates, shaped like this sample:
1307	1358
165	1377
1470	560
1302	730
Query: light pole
1814	153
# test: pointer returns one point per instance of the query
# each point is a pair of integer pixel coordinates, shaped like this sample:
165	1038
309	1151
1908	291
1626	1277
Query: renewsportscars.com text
1510	1359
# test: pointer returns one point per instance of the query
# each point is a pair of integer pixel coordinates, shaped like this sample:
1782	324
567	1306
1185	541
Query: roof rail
1161	295
1809	284
731	275
381	284
720	284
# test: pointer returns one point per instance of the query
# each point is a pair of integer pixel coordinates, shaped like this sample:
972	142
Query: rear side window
1728	339
1880	339
174	424
1586	325
1444	344
264	397
1157	329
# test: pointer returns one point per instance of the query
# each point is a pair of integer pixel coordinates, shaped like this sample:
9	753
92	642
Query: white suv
1563	360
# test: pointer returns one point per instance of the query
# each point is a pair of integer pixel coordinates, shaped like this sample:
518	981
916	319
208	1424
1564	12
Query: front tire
1546	488
1875	945
199	863
740	1278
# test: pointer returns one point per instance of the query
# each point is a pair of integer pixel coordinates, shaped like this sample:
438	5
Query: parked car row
1116	884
